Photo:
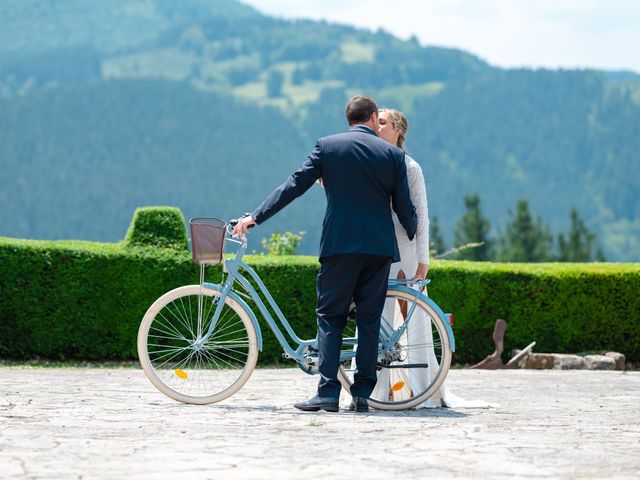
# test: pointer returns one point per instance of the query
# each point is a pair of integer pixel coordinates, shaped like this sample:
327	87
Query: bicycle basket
207	240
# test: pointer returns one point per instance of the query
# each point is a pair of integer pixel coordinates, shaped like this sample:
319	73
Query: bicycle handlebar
234	221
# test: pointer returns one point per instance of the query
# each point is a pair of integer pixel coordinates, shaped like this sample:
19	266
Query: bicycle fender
243	304
434	305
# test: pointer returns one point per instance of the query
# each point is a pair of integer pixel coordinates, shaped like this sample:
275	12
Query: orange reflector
181	373
397	386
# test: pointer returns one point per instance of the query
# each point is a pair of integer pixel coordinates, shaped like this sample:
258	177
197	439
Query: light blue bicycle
199	343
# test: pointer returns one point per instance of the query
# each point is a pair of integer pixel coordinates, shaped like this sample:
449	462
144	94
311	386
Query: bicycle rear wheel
184	369
418	363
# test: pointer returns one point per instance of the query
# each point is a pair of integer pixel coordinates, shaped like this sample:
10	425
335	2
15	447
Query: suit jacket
363	178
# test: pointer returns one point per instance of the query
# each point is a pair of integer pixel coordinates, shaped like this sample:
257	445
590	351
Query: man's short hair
359	109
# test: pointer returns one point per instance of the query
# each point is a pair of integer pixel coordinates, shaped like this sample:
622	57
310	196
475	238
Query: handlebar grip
234	221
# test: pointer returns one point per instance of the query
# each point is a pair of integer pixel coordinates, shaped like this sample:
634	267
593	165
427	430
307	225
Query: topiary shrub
162	227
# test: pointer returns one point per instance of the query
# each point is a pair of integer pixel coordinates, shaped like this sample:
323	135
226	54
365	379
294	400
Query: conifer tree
525	240
579	245
472	227
436	242
275	80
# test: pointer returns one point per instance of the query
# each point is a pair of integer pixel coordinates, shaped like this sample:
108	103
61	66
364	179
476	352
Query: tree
282	243
275	81
472	227
524	239
297	77
436	242
579	244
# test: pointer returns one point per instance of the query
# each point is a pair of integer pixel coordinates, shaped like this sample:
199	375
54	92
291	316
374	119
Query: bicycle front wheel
414	368
185	369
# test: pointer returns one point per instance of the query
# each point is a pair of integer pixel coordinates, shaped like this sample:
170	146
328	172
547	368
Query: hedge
84	300
157	227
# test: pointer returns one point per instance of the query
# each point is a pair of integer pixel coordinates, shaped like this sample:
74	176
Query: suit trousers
360	277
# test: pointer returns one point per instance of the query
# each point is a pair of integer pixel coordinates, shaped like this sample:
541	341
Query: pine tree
472	227
436	242
275	80
524	239
579	244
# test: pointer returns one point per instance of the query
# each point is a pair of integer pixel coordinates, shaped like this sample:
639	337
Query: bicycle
199	343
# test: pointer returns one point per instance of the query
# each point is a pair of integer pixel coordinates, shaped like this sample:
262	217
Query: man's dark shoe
359	404
316	403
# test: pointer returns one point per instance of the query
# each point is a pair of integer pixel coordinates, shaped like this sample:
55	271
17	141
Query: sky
603	34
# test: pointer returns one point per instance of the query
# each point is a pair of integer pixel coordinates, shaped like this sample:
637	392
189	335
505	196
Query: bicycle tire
184	372
409	379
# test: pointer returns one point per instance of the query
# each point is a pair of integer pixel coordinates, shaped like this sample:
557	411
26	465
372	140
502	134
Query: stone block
538	361
619	358
600	362
563	361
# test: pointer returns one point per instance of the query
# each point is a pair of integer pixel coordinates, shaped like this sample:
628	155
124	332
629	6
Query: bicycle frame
300	353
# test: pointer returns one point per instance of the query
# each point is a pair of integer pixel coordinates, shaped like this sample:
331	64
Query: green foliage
524	239
162	227
297	77
473	227
174	143
282	243
275	81
566	308
436	242
159	89
82	300
579	245
545	135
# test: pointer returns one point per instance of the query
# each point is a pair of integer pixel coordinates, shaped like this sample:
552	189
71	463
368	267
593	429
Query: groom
363	176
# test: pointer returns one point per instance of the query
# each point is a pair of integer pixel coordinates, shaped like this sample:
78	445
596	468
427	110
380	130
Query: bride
414	254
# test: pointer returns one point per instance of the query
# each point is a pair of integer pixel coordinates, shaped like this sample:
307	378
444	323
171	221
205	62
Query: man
363	176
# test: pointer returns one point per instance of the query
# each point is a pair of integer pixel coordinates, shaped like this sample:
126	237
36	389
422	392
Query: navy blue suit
363	178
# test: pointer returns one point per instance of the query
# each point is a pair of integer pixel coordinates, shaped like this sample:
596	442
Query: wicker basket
207	240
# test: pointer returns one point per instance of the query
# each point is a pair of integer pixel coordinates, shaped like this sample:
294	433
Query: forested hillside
208	105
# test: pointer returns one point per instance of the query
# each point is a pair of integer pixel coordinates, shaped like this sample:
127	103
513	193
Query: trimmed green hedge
161	227
83	300
563	307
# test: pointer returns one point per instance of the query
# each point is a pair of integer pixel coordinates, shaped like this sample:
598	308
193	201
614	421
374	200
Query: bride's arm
418	194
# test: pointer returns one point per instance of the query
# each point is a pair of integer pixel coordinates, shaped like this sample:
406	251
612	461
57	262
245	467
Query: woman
414	253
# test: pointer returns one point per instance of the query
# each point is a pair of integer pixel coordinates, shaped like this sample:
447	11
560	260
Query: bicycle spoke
413	357
167	324
158	367
184	322
199	370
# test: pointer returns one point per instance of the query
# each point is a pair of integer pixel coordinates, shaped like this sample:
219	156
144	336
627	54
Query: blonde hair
399	122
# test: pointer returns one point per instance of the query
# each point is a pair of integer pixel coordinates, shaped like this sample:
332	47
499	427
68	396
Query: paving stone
113	424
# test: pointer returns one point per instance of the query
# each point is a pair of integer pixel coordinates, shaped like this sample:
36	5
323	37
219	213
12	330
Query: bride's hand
421	272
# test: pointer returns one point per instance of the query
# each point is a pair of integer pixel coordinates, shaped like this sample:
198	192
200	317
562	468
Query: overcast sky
534	33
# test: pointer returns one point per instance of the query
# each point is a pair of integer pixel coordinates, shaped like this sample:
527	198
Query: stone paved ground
111	423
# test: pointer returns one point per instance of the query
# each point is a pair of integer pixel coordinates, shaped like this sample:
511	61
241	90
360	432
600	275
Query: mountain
208	105
116	25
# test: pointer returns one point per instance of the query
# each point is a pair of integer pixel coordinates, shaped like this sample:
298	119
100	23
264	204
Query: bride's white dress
413	252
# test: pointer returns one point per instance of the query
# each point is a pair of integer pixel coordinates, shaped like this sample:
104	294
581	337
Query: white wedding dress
413	252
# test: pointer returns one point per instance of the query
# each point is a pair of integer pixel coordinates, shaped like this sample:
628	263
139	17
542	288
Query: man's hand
243	226
421	272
